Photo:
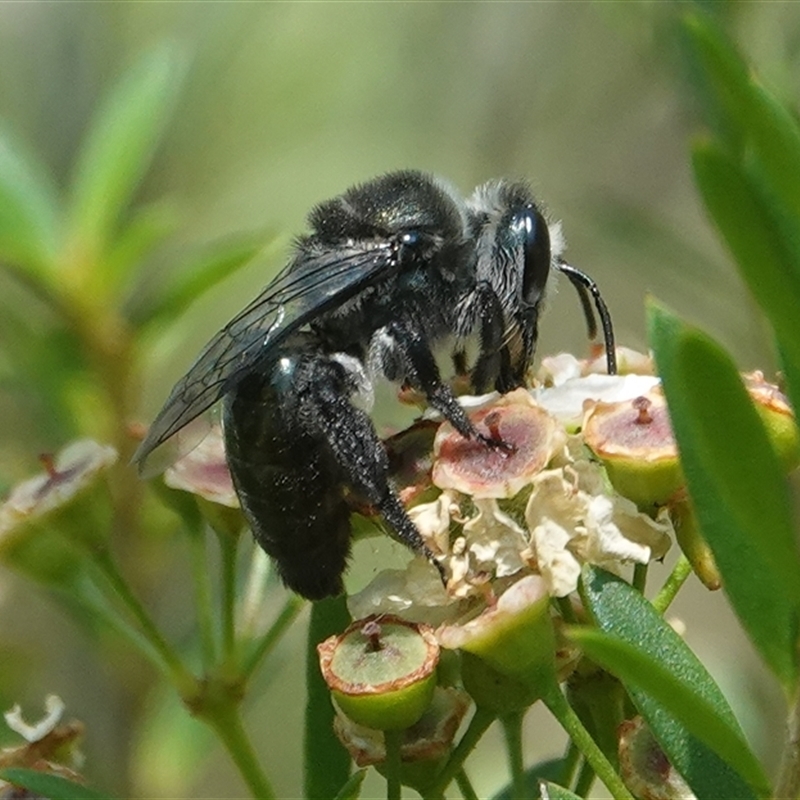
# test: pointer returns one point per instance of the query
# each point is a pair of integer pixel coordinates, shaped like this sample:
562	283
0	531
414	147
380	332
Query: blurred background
280	106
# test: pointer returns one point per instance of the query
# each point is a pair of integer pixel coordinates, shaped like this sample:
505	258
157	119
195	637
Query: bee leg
403	354
482	307
356	447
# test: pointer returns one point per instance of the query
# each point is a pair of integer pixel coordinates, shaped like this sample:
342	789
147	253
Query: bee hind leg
355	446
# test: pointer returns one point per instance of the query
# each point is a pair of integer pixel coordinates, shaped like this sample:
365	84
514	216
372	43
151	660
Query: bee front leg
403	354
482	310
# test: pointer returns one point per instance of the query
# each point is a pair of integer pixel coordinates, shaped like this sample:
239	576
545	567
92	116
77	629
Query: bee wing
313	283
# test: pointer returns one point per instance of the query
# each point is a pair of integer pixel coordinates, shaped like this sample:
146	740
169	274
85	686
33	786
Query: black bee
394	269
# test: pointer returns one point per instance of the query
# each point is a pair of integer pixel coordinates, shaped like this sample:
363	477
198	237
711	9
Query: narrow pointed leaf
52	787
203	273
352	788
535	776
758	235
550	791
751	114
737	486
673	691
720	75
120	145
28	209
146	229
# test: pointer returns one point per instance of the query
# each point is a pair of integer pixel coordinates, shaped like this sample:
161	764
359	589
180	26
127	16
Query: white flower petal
433	521
494	540
54	706
555	562
414	593
617	531
565	401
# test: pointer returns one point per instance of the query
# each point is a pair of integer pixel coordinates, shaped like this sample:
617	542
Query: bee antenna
586	286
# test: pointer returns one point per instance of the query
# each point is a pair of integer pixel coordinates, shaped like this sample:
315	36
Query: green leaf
539	773
737	486
120	145
764	241
50	786
326	762
684	708
550	791
147	228
28	209
352	787
720	75
791	372
752	116
198	276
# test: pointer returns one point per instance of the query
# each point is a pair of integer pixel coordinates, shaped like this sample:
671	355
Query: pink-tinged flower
567	385
634	440
203	471
509	650
645	768
539	505
531	437
67	475
428	739
69	499
778	417
524	599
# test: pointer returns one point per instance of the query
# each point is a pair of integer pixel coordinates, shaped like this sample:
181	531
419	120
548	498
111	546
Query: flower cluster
541	505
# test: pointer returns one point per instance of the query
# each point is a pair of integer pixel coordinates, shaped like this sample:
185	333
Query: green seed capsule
381	671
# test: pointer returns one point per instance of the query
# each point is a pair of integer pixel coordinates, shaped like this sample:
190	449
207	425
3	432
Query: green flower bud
492	690
692	543
634	441
514	638
644	766
778	418
381	671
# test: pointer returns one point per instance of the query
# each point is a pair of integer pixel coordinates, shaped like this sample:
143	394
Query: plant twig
202	595
512	728
223	716
291	608
465	785
182	678
680	572
562	711
392	741
479	724
229	549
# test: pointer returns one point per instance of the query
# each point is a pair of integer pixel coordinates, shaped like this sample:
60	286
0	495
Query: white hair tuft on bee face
558	244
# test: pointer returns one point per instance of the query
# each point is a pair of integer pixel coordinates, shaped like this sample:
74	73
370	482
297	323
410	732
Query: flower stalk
568	719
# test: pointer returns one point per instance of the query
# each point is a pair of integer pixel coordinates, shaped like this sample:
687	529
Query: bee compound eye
532	226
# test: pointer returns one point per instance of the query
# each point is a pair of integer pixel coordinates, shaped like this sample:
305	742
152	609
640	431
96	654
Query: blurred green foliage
123	199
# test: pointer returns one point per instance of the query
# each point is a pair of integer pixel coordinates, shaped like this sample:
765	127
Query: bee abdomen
291	494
